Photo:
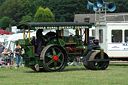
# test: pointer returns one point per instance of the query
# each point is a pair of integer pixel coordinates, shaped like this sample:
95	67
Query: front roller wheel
54	58
97	65
85	60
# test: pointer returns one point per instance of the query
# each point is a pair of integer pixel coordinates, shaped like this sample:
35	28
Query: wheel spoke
59	54
55	64
54	52
61	60
50	62
50	56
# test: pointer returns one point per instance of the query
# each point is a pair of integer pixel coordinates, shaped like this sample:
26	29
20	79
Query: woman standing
6	57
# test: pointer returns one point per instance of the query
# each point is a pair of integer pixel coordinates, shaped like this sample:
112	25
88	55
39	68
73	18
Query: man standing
17	54
40	40
1	48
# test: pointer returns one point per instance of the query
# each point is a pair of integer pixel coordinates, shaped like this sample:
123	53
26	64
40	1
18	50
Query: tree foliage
4	22
1	1
44	15
35	4
26	18
14	9
64	10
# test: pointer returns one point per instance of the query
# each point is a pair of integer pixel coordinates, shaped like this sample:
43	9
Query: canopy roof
54	25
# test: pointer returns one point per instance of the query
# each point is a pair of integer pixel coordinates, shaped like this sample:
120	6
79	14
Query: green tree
9	28
15	9
4	22
44	15
26	7
35	4
1	1
64	10
26	18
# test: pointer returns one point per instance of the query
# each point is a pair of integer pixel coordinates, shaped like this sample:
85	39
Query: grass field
72	75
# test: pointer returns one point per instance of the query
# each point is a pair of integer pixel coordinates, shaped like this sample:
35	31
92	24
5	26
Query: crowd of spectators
7	56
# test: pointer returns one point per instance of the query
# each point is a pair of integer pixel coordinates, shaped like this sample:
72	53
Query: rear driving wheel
54	58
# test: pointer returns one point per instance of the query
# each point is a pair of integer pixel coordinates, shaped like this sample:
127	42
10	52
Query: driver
40	40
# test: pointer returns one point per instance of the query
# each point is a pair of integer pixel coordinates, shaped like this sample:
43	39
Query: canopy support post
24	33
29	34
